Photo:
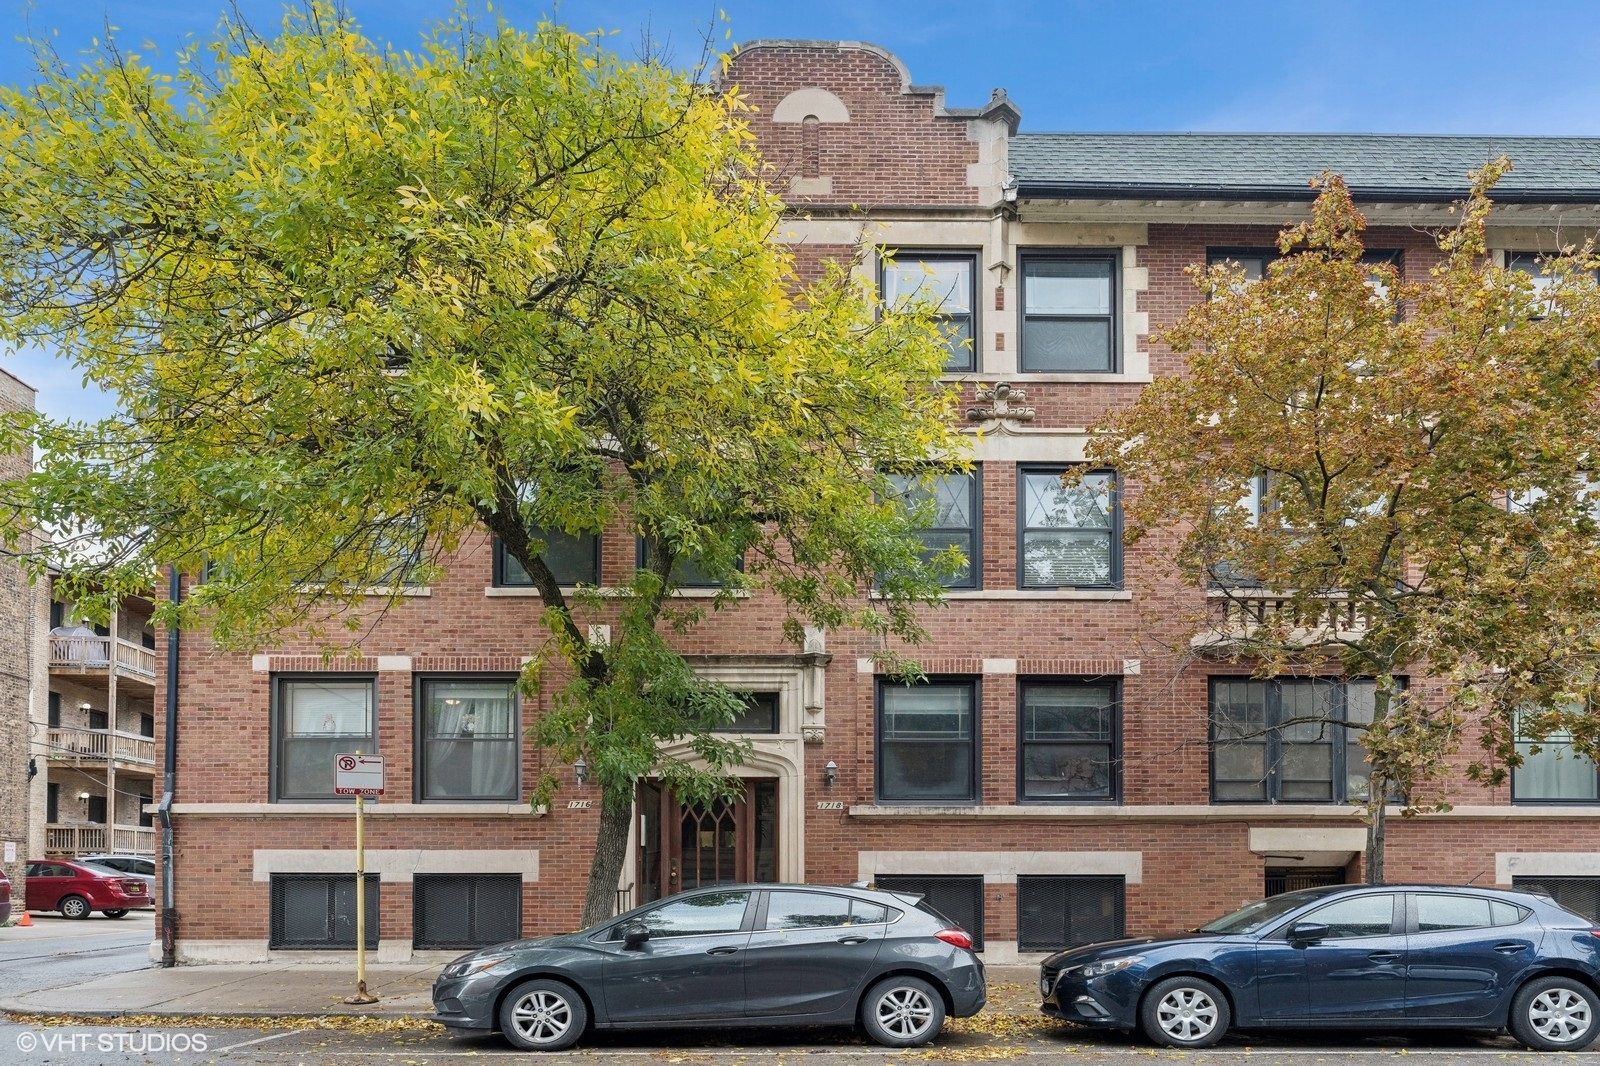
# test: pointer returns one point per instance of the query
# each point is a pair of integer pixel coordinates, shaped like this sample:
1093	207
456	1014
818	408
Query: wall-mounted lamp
83	797
85	706
830	773
33	767
580	770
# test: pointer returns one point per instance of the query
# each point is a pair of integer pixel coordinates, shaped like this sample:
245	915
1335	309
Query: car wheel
74	907
543	1015
1184	1012
902	1012
114	914
1555	1014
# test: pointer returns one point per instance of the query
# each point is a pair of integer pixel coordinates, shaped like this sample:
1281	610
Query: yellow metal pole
361	996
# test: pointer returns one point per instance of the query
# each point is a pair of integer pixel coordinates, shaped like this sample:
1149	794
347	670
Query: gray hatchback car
734	955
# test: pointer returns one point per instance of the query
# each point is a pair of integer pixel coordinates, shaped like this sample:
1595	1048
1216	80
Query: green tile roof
1278	166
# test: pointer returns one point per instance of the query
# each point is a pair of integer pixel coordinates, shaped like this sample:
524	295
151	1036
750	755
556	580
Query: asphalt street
56	953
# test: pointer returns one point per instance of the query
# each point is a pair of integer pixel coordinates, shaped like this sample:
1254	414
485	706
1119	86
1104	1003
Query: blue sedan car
1369	956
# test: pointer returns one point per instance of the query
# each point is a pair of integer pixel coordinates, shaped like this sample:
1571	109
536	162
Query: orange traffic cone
24	920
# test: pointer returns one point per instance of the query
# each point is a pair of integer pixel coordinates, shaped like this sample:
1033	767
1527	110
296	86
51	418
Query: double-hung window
945	281
1067	746
953	499
1069	535
1552	772
927	741
574	559
315	718
688	571
1069	312
1289	740
467	738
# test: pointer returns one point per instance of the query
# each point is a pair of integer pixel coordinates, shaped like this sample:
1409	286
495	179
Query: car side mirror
1307	932
634	934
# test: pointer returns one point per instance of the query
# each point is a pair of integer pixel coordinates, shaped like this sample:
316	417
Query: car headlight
476	964
1105	966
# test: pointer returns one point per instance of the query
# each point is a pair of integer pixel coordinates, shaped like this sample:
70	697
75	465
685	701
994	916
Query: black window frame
1579	894
1030	936
422	884
1113	533
1113	319
1113	792
502	578
881	745
641	560
767	703
1516	794
1272	742
973	579
420	740
277	886
955	898
366	744
901	256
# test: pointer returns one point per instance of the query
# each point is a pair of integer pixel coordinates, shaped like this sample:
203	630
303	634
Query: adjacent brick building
22	672
1056	780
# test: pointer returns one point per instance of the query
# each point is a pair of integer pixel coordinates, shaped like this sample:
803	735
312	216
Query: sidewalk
278	990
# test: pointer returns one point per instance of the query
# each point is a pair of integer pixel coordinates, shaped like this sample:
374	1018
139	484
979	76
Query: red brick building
1056	779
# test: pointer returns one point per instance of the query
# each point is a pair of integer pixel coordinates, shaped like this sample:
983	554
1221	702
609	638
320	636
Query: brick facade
863	153
21	681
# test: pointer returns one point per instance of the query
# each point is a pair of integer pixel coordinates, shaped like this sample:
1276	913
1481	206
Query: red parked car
75	889
5	898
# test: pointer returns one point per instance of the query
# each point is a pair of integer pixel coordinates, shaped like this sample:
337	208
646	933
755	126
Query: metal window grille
465	910
1290	878
1581	895
318	911
957	897
1058	912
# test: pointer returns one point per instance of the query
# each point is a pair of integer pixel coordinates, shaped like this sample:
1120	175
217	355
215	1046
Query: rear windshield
1263	912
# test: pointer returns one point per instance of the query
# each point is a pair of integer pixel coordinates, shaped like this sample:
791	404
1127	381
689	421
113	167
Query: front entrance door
684	846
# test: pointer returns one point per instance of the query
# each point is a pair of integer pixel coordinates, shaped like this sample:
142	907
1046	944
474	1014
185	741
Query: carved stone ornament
812	734
1003	410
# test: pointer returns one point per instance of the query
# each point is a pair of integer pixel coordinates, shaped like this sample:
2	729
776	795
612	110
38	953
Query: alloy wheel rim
1560	1015
542	1016
905	1012
1187	1014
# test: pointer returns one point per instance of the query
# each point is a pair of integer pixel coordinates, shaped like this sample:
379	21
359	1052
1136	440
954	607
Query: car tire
902	1012
118	913
1186	1012
543	1015
73	907
1555	1014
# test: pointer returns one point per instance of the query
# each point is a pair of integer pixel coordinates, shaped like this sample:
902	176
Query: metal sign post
358	775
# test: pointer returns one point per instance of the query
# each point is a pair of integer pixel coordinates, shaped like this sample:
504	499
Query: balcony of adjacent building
83	747
81	821
80	652
1237	617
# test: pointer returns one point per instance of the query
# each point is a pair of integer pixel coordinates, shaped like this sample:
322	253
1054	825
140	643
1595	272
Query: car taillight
959	937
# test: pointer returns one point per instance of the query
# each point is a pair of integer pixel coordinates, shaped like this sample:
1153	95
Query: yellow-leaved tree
357	302
1411	469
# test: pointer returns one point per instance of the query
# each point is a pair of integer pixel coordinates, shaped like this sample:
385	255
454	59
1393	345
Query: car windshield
1263	912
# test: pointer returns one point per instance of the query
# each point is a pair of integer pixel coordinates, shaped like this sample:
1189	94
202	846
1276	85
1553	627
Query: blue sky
1401	66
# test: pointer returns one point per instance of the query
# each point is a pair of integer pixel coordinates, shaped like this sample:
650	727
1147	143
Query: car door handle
852	940
1509	948
721	951
1384	956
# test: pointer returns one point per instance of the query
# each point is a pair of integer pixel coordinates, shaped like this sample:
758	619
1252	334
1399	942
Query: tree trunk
1377	811
610	849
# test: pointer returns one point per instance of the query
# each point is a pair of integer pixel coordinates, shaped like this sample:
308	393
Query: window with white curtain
468	747
317	718
1551	772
